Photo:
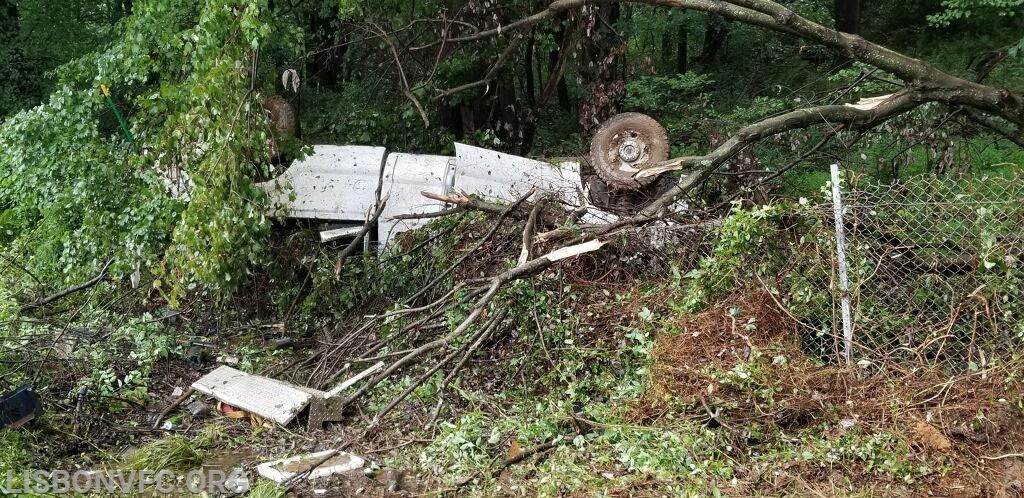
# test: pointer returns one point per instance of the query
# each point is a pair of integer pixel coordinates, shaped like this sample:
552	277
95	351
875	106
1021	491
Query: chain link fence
935	272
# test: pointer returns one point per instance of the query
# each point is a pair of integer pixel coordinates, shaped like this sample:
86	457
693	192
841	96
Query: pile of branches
538	225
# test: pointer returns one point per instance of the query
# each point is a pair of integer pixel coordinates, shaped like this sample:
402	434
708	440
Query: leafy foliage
744	233
666	93
961	10
73	194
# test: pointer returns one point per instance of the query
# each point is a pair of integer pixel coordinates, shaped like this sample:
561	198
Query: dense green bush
74	191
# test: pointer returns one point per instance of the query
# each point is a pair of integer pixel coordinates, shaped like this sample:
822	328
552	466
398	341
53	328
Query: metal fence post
844	281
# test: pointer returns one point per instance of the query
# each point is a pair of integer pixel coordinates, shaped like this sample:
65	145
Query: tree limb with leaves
922	83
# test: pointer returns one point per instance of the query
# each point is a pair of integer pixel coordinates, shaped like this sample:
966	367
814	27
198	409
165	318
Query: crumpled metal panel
333	183
497	176
339	183
405	176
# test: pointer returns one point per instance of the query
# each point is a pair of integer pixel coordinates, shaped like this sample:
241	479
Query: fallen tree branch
852	116
422	216
467	202
540	448
512	460
70	290
529	268
497	224
560	234
485	330
478	308
351	247
781	171
174	404
485	333
1000	457
977	117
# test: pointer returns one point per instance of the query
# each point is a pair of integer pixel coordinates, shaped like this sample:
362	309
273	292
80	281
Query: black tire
604	149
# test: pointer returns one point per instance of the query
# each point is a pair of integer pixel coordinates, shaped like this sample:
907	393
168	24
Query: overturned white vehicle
343	184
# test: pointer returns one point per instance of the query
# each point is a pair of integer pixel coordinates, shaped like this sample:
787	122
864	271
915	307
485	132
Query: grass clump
176	453
265	489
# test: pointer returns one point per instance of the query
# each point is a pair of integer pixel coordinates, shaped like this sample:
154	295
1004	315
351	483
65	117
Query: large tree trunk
715	32
556	66
531	92
605	85
11	54
665	62
682	50
326	65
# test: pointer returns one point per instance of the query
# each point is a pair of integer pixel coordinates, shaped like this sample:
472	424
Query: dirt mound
716	340
740	364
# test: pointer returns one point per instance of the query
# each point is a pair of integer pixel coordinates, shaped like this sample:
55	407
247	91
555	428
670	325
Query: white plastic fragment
271	399
338	233
501	177
576	250
356	378
284	469
405	176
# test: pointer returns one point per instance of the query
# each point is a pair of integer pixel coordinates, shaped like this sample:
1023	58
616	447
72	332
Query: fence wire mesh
935	270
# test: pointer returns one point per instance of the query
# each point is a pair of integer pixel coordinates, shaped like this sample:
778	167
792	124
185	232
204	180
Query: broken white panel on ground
336	462
332	183
496	176
405	176
263	396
